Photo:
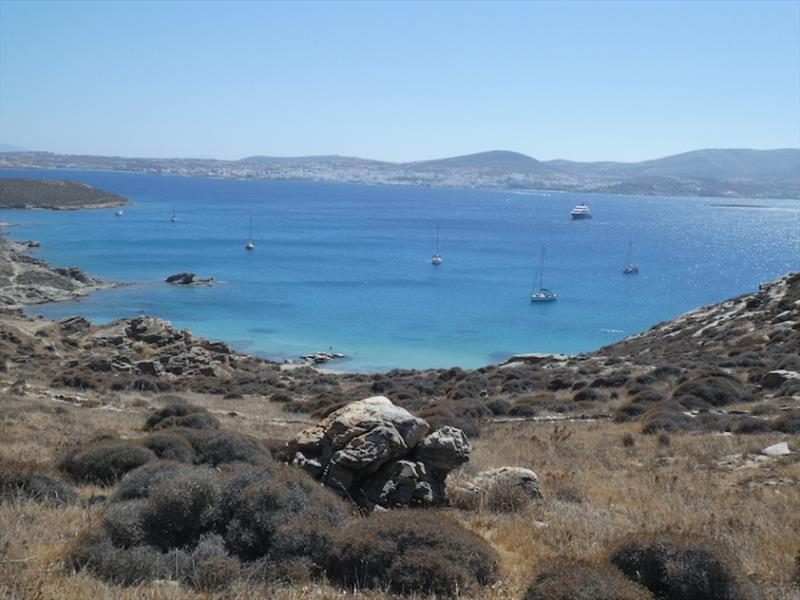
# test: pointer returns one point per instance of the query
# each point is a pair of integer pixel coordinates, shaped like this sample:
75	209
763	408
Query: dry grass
694	486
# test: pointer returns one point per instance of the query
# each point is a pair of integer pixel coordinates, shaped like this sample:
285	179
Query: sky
399	81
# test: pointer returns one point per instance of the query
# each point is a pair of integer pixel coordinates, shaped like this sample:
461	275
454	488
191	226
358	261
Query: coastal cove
348	266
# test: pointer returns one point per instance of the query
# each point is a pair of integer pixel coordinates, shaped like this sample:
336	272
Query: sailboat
174	219
542	294
118	213
250	245
436	259
630	269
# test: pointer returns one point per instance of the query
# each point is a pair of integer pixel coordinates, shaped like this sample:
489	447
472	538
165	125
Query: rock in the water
377	453
775	379
181	278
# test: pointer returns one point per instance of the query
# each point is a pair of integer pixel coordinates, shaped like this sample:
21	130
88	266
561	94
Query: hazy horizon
399	82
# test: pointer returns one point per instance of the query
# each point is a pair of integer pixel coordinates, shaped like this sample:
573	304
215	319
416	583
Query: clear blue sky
399	81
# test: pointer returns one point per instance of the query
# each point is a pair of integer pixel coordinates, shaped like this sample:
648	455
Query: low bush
707	392
666	417
676	567
95	552
138	483
170	446
208	567
570	579
104	462
788	422
637	406
411	552
36	482
747	425
220	447
181	414
282	515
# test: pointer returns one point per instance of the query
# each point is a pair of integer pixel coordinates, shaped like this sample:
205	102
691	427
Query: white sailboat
118	213
541	293
174	219
436	259
250	245
630	268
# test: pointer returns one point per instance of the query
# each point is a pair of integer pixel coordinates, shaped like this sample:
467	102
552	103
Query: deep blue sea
348	266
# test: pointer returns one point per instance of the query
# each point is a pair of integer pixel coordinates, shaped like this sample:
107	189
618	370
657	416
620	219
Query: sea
347	268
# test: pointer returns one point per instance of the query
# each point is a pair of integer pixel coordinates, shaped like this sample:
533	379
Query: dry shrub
412	552
221	447
208	567
788	422
747	425
36	482
95	552
104	462
138	483
182	506
506	496
637	406
282	514
181	414
706	392
170	446
570	579
666	417
675	567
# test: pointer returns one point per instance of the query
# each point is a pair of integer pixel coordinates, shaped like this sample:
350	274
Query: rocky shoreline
26	280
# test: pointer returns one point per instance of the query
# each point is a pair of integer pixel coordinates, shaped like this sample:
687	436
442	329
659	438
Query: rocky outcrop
189	279
775	379
378	454
27	280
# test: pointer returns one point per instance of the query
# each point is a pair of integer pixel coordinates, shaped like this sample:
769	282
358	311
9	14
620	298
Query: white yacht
581	212
436	259
542	294
118	213
250	245
173	219
630	268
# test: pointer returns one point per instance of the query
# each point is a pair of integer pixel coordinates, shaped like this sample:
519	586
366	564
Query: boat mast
437	238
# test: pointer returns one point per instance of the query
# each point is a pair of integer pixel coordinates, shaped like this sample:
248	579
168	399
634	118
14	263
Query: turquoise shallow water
348	266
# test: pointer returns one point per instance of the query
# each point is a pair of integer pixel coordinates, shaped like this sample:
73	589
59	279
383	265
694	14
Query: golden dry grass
613	491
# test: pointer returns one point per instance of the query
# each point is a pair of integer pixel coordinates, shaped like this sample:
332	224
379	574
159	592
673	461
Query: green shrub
35	482
675	567
411	552
570	579
104	462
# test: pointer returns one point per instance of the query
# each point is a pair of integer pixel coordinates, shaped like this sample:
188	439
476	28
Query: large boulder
775	379
379	454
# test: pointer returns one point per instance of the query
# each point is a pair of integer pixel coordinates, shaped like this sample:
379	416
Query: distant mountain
719	164
494	162
710	172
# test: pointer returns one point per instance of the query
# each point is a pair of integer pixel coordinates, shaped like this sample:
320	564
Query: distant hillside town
715	172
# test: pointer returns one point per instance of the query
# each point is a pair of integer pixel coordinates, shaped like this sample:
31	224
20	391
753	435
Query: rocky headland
26	280
55	194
